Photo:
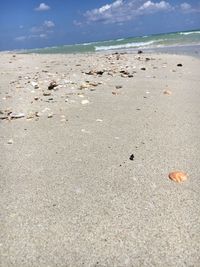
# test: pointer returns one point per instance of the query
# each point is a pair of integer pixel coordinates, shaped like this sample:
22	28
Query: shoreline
189	49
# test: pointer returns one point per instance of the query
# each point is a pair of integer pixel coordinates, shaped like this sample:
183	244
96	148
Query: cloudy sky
32	23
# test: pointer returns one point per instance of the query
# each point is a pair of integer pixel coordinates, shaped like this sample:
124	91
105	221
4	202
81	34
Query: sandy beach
71	194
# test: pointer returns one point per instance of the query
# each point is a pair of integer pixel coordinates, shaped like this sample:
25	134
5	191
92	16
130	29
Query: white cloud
31	36
42	7
43	35
44	27
77	23
42	31
36	29
187	8
124	10
20	38
49	24
149	5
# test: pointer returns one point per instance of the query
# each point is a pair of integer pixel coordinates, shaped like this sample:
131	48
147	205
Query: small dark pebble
131	157
147	59
52	85
99	72
143	68
124	72
179	65
140	52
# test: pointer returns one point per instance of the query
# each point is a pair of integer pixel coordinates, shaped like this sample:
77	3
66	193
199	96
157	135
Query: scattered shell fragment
45	109
84	86
93	83
50	115
85	131
14	115
10	141
167	92
99	120
178	176
46	94
82	96
35	85
85	102
37	114
30	116
115	93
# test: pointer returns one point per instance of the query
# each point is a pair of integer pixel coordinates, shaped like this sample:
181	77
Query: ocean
187	41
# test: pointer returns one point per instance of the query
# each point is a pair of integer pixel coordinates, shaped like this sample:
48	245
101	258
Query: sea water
188	41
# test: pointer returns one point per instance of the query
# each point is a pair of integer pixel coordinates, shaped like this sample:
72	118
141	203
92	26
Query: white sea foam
120	39
86	43
128	45
188	33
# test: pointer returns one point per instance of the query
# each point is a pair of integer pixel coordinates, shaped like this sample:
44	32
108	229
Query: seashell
167	92
85	102
178	176
84	86
19	115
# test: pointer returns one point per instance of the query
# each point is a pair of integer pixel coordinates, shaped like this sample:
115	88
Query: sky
37	24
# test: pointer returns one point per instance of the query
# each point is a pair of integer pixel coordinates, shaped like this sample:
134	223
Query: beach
87	145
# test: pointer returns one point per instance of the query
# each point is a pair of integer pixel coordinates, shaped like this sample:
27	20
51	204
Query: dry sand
70	195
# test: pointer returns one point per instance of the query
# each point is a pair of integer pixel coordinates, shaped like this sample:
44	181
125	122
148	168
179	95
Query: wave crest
128	45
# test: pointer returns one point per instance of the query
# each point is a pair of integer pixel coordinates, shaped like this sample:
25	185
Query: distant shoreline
189	50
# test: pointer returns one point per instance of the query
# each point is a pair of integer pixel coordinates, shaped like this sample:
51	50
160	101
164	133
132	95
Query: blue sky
32	23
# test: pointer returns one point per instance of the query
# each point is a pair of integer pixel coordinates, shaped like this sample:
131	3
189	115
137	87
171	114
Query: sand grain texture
70	195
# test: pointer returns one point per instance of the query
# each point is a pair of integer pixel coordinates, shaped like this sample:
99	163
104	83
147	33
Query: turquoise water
177	39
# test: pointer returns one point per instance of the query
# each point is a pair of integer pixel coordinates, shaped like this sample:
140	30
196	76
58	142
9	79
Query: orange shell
178	176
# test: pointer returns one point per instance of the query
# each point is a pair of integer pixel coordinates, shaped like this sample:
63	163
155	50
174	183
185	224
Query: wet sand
70	195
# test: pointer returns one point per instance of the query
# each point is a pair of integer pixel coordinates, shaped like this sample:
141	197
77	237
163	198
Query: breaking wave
188	33
128	45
